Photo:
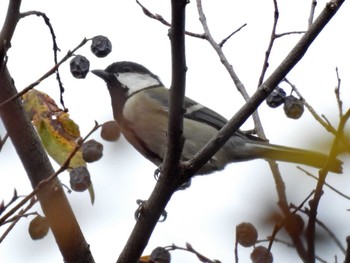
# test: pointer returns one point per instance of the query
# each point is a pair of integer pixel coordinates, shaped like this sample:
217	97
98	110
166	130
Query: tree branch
53	201
310	230
171	177
8	28
265	89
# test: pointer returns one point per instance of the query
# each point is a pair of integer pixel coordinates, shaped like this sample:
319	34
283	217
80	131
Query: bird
140	104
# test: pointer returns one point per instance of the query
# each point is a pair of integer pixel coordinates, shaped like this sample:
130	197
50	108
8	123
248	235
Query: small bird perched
140	105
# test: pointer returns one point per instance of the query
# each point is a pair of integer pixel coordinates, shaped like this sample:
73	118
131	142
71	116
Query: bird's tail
294	155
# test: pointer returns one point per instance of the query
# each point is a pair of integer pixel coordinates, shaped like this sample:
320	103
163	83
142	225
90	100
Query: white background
205	215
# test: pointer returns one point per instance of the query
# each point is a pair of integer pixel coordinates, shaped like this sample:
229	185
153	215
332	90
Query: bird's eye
127	69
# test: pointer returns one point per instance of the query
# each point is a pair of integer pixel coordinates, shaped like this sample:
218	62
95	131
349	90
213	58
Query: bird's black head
127	67
127	75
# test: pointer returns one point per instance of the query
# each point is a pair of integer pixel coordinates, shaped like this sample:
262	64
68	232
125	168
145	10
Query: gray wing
196	111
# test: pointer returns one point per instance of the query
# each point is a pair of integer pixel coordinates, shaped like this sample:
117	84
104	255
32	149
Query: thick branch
53	201
34	159
169	180
8	28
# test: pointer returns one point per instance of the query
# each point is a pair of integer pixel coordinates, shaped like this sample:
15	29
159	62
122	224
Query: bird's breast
145	126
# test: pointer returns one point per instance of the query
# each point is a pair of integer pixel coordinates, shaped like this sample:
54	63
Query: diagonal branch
265	89
53	201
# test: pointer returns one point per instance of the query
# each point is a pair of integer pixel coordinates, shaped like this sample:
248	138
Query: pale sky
206	214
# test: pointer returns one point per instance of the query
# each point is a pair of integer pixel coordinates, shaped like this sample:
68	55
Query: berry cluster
92	150
293	107
101	46
247	236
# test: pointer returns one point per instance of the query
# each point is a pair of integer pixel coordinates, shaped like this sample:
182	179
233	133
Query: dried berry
293	107
80	179
92	151
276	98
294	224
38	227
261	254
160	255
110	131
79	66
101	46
246	234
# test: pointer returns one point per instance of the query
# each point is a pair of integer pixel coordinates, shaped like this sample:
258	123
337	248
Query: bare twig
189	248
55	47
337	94
13	199
3	141
347	255
310	231
325	124
64	166
270	45
222	43
16	218
164	22
289	33
326	184
329	232
273	37
46	75
323	119
279	226
312	12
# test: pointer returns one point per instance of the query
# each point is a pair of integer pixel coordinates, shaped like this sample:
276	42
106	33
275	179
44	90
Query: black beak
106	76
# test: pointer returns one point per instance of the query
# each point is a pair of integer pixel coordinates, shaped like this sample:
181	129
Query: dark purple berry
276	98
160	255
101	46
79	66
80	179
92	151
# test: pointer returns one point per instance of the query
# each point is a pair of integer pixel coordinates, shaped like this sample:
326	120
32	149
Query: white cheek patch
137	81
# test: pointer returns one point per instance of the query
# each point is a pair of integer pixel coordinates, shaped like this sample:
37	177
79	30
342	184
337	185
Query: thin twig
46	75
326	184
329	231
55	47
189	248
222	43
64	166
3	141
312	12
289	33
270	45
325	124
164	22
16	218
337	94
310	231
288	217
